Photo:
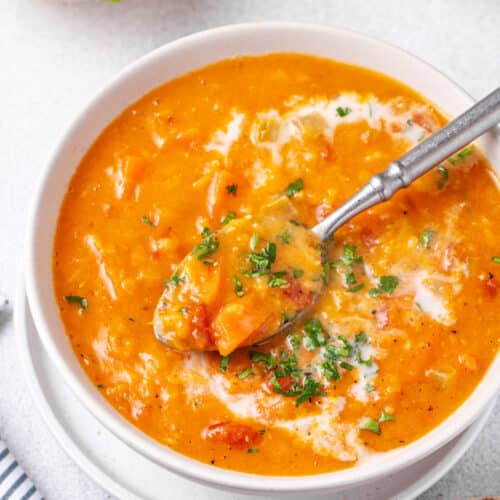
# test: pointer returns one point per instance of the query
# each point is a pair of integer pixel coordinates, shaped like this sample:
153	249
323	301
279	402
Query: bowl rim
405	456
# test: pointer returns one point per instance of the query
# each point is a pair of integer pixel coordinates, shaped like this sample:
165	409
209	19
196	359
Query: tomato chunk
233	434
301	298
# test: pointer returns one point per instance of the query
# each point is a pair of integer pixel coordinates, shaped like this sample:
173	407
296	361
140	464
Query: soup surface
407	326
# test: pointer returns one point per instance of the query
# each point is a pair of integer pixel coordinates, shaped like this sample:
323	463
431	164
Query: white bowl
149	72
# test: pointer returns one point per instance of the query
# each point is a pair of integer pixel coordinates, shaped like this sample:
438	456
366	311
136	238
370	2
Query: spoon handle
419	160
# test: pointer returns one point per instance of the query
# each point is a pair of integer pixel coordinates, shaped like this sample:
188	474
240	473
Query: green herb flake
346	366
374	292
183	309
238	286
496	259
294	222
330	371
175	279
356	288
285	237
224	363
385	417
325	274
262	357
311	388
232	189
361	338
76	299
443	176
263	260
245	373
343	111
297	273
277	283
427	237
315	334
386	284
262	431
294	187
207	247
253	450
369	424
369	387
101	386
228	218
148	221
461	155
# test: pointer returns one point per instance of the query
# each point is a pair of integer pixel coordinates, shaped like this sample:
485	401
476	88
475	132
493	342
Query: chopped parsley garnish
460	156
343	111
369	387
238	286
101	386
443	176
245	373
295	222
232	189
369	424
148	221
277	282
496	259
175	279
253	450
330	371
386	284
345	266
427	237
297	273
325	273
262	261
315	334
262	357
385	417
361	338
346	366
294	187
76	299
285	237
310	389
208	246
224	363
183	309
262	431
228	218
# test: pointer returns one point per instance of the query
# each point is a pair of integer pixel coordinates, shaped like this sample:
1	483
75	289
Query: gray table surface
54	57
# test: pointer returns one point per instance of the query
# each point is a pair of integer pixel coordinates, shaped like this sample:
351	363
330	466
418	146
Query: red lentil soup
408	324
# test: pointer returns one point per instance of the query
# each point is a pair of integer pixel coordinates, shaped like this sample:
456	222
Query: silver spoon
481	117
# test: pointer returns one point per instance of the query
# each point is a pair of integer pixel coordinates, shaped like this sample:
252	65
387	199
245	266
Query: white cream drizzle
223	140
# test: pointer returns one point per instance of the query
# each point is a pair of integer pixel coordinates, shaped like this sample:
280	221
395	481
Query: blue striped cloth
14	483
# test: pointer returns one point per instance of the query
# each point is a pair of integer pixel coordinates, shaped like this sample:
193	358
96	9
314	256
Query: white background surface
54	57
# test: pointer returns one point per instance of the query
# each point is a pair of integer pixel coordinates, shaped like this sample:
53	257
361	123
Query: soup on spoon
240	285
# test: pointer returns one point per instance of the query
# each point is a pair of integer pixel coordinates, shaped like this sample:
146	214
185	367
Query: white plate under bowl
128	475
